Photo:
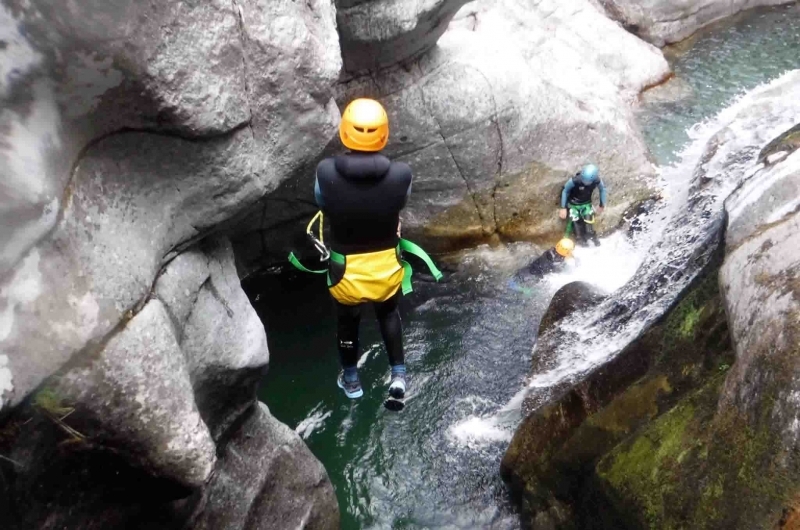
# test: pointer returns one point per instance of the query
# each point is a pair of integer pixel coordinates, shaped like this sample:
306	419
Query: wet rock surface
550	462
568	299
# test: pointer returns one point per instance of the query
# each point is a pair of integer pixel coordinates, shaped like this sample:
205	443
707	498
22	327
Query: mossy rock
693	468
787	142
555	449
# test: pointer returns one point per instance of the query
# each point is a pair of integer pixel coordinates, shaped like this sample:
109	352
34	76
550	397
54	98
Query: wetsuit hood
362	166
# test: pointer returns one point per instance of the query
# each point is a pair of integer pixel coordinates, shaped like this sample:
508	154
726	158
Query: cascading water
469	340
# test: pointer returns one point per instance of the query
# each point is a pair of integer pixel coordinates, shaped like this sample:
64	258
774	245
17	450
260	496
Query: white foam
608	267
479	431
313	422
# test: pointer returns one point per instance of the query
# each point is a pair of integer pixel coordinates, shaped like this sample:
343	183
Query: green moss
644	465
695	467
689	322
47	400
639	402
644	473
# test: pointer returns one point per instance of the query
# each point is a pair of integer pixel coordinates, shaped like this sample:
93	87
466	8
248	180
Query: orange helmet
364	126
565	247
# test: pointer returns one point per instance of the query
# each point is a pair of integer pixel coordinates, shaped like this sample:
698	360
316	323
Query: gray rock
224	343
292	490
179	285
137	397
375	34
91	209
154	405
135	199
130	131
472	126
761	285
662	22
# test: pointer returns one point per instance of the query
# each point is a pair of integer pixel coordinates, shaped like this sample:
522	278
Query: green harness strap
414	249
294	261
405	245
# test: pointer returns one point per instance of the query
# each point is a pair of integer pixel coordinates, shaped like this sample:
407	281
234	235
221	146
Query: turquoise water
468	340
723	62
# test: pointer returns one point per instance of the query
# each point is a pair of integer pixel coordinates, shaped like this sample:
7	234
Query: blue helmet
589	174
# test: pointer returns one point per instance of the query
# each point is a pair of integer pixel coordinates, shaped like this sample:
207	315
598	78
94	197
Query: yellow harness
369	277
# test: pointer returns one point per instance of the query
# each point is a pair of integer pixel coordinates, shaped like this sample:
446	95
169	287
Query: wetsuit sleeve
565	192
318	193
603	193
404	170
408	194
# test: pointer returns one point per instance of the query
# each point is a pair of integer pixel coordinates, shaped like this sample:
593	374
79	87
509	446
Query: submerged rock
662	22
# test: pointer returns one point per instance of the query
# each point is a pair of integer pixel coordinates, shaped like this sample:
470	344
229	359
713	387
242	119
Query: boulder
146	408
224	343
662	22
571	297
375	34
130	131
732	444
761	282
549	464
166	402
291	491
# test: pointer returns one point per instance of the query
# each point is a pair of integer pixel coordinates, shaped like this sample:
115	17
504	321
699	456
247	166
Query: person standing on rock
577	194
362	193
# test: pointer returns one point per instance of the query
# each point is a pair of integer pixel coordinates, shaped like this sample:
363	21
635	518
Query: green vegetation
50	405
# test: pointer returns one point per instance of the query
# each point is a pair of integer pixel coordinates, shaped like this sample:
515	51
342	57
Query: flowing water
470	339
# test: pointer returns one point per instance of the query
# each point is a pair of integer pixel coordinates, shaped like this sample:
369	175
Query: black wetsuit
362	195
548	262
576	193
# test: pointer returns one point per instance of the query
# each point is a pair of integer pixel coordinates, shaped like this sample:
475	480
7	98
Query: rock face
130	133
171	394
375	34
662	22
706	438
123	199
238	498
492	142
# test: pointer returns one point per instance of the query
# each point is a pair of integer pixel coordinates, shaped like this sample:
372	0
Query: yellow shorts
372	277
